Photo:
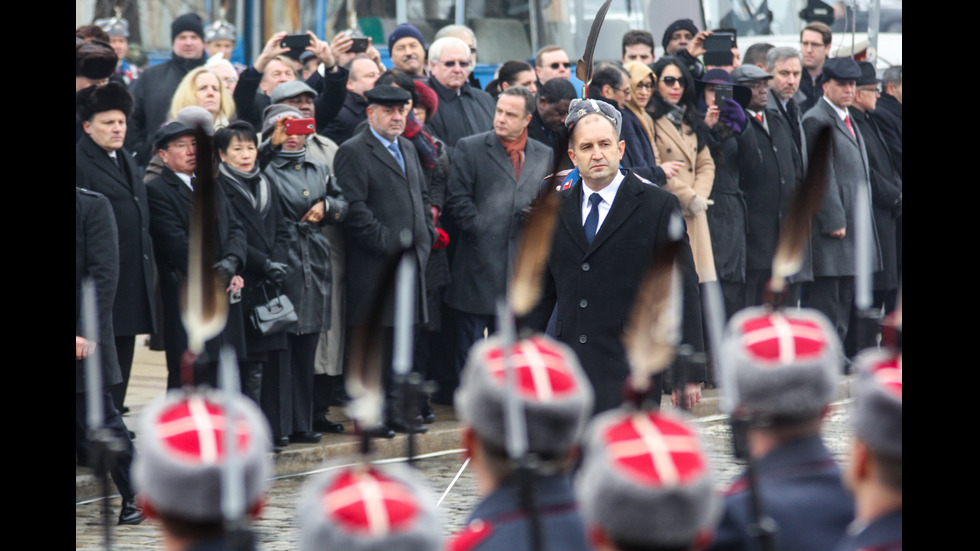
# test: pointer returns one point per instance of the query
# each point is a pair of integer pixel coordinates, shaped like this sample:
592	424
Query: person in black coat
463	110
387	197
363	72
594	284
97	259
170	198
104	166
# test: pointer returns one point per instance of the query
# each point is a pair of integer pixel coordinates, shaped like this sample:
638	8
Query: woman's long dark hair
658	106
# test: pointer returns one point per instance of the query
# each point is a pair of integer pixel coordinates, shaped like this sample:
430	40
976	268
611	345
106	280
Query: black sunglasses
670	81
558	64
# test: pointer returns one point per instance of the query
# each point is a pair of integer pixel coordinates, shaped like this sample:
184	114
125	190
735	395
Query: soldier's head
179	470
550	387
876	457
786	364
645	483
118	30
219	37
187	36
368	508
103	111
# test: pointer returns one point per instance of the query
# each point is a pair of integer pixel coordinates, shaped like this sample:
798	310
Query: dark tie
592	220
393	147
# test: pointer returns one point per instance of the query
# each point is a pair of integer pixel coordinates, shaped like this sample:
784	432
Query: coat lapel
623	206
668	132
102	161
496	151
571	215
382	154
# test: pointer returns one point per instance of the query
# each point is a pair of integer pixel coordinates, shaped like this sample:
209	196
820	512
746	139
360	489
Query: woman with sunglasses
679	135
641	156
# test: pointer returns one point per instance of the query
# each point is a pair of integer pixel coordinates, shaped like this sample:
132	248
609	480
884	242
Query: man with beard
786	67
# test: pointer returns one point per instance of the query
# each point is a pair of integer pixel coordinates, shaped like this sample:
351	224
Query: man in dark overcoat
833	241
463	110
770	171
103	165
381	178
593	281
488	191
171	198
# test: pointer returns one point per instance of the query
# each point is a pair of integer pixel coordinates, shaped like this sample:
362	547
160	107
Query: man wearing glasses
463	109
815	47
552	62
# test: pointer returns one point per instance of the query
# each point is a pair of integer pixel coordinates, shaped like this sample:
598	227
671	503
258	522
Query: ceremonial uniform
499	522
882	534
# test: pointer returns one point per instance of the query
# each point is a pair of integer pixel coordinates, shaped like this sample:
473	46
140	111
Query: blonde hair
186	96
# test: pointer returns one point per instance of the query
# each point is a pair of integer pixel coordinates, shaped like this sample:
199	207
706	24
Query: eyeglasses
671	81
558	64
874	91
644	86
451	64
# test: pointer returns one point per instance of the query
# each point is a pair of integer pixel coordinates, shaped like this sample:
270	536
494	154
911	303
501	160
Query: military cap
387	94
368	507
579	108
290	89
114	26
97	99
551	387
749	73
877	413
170	132
646	481
179	467
786	362
220	30
840	68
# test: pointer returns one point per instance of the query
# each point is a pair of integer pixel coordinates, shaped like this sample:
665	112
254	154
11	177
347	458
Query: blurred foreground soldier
833	242
368	508
557	400
645	484
874	473
179	469
96	258
103	165
170	197
610	224
154	90
786	366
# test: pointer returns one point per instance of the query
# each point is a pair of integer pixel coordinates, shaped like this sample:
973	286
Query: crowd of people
328	164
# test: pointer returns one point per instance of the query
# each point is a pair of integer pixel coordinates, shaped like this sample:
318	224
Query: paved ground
277	528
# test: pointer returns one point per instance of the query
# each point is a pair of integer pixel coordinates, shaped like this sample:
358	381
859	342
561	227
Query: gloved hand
697	205
733	116
274	271
227	266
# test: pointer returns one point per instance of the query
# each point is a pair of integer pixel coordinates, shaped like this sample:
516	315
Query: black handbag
276	315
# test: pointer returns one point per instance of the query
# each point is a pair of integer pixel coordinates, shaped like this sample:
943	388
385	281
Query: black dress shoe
428	416
380	431
326	425
130	512
305	437
400	425
279	444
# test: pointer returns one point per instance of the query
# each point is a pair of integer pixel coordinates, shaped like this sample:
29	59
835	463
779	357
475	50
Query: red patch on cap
888	374
369	503
194	431
655	450
540	369
778	339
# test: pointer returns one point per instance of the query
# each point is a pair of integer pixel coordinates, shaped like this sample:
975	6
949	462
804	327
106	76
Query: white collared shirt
842	113
607	193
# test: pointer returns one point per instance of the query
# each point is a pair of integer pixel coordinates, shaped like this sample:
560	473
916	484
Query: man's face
813	51
363	74
638	52
760	94
553	114
620	94
276	72
453	67
189	45
840	93
388	120
896	91
509	120
180	155
554	65
678	41
220	45
786	78
596	151
107	129
120	45
866	97
303	102
408	55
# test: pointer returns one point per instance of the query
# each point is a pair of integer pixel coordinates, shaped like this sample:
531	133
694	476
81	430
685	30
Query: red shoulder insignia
471	536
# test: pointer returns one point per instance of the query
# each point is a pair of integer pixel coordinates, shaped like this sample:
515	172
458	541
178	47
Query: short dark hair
637	36
400	79
521	92
538	57
756	54
825	33
605	74
557	89
892	75
92	32
242	130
